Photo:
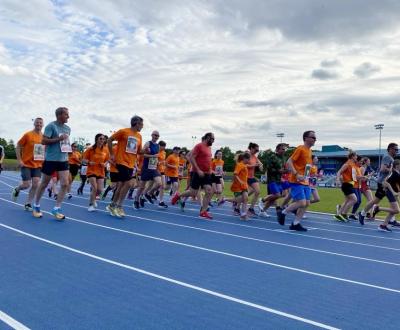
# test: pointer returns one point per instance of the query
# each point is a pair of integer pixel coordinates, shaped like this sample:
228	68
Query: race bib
83	170
153	161
38	152
65	145
218	170
131	145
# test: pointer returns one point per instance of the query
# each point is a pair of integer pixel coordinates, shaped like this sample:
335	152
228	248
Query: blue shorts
285	185
300	192
275	188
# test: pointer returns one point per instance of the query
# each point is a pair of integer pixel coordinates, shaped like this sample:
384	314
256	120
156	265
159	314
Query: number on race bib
38	152
131	145
153	163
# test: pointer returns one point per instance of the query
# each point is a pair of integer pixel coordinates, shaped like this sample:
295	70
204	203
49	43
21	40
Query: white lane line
173	281
13	323
239	256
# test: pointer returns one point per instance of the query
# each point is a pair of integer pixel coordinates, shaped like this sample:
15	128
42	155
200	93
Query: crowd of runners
144	173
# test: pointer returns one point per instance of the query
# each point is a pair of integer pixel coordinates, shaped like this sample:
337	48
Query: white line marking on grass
173	281
7	319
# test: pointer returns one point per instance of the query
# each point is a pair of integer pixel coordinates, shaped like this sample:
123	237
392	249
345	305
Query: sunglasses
312	137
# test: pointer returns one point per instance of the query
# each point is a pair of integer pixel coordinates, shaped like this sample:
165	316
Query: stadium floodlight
280	135
380	128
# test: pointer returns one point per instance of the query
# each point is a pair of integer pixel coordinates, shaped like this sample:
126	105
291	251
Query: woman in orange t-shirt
240	186
172	169
217	168
74	162
96	158
254	185
347	176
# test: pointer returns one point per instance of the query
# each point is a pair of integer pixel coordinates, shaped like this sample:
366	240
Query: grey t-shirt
388	161
53	151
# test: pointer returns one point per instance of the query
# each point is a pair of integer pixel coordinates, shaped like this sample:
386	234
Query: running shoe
375	210
261	205
142	201
36	212
148	197
384	228
69	196
56	211
121	212
361	218
251	212
182	205
339	217
163	205
264	214
278	210
352	217
206	215
297	227
91	208
394	223
49	192
236	211
28	207
175	198
14	194
55	196
136	205
281	218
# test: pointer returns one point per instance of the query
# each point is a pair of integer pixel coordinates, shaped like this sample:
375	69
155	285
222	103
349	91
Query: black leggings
83	182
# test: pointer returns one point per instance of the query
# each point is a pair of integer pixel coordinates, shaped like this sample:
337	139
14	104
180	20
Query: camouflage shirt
275	164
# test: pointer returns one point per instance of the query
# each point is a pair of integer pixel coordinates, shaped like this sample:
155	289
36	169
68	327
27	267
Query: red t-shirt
202	155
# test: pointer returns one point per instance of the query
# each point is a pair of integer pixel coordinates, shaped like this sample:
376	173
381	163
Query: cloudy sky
245	70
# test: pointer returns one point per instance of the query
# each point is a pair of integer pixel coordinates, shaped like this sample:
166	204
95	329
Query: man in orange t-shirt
172	169
299	165
30	156
129	146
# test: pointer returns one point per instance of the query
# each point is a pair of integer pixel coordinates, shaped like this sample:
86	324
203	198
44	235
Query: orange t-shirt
129	146
348	175
161	161
173	160
74	158
301	157
217	167
32	153
113	168
241	171
99	156
251	169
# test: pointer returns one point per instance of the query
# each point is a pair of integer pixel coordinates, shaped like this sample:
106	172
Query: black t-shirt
394	180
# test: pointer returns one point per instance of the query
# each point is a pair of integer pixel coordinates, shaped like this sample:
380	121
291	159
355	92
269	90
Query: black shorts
215	179
28	173
347	188
49	167
124	173
73	169
171	179
95	176
114	177
149	175
196	181
250	181
382	192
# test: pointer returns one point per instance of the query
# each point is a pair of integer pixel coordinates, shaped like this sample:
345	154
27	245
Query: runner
314	175
113	177
82	173
161	168
74	162
275	170
200	158
172	170
240	185
357	184
30	155
346	177
368	172
2	155
129	146
56	138
182	167
96	158
149	171
299	165
392	182
217	169
381	192
252	181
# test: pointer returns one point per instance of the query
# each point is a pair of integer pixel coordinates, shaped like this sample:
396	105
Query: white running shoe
261	205
91	208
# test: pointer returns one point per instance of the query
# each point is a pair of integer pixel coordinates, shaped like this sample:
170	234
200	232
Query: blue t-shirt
53	151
